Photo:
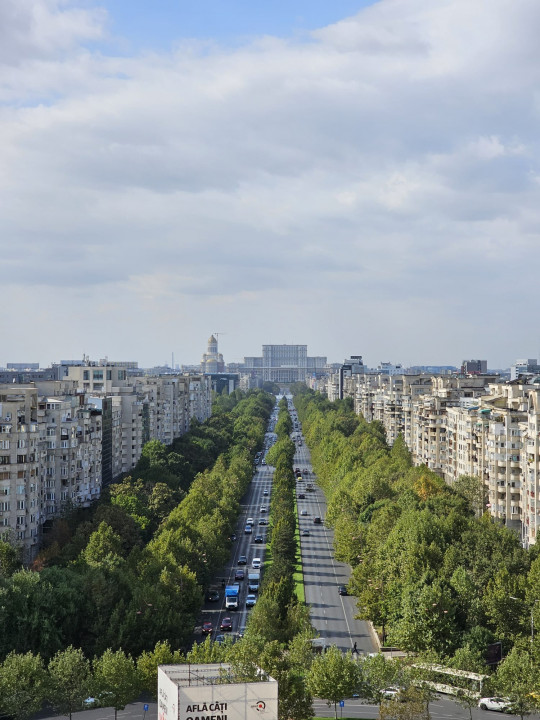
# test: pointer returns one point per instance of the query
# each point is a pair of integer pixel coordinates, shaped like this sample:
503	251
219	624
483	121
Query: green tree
69	680
22	685
116	679
104	548
409	705
518	678
472	488
333	676
378	674
147	665
10	560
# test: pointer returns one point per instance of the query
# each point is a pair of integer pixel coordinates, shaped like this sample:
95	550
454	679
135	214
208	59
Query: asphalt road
251	505
441	708
332	614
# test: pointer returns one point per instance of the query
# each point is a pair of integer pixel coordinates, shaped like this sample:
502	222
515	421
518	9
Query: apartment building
457	425
51	455
62	440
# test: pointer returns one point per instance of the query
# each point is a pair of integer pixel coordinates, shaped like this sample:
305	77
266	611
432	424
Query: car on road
303	512
317	520
301	496
220	639
226	624
248	530
233	537
258	539
342	590
305	533
251	600
207	628
239	574
263	462
496	703
242	560
212	595
250	521
262	521
241	631
305	471
256	563
265	492
390	693
264	509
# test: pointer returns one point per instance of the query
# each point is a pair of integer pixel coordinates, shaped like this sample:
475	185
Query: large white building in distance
283	364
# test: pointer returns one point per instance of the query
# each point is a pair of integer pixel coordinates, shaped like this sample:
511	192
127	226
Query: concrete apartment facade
472	425
62	440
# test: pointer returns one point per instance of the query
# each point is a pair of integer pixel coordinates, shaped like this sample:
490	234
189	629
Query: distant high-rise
474	367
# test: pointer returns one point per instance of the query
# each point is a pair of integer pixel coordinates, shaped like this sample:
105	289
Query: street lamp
532	615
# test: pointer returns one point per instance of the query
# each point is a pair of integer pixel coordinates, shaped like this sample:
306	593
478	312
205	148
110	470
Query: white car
495	703
250	521
390	693
256	563
251	600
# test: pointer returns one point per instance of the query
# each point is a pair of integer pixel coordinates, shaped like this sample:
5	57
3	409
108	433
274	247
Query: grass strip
298	575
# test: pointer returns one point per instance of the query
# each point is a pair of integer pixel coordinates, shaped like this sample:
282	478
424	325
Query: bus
449	681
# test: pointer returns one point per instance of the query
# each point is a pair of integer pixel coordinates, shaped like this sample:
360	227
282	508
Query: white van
256	563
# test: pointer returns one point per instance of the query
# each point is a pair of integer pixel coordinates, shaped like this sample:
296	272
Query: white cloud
340	182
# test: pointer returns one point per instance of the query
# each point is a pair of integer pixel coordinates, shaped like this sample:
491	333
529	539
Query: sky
363	178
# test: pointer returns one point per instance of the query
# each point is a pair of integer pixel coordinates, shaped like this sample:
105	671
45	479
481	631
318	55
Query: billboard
237	701
207	700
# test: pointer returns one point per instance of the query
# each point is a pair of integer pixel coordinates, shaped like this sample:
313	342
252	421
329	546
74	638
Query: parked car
226	624
496	703
242	560
390	693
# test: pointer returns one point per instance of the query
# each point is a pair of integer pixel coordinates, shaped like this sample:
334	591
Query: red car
226	624
207	628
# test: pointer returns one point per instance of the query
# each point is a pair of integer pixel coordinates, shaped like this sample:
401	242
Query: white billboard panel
237	701
167	697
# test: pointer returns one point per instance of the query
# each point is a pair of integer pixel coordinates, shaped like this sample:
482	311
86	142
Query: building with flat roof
284	364
200	692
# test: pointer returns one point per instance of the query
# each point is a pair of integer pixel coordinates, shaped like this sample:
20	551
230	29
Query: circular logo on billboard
260	706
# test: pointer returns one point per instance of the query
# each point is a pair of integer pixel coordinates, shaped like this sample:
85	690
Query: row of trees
133	571
430	574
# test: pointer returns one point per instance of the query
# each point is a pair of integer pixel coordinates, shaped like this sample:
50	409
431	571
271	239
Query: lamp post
532	615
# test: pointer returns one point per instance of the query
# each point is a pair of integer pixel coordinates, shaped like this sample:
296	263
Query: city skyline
361	178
